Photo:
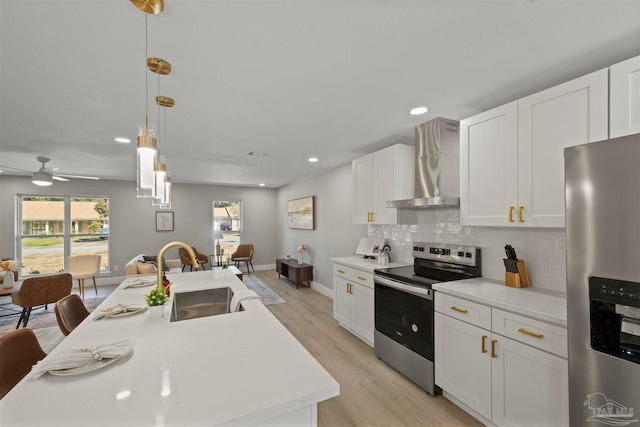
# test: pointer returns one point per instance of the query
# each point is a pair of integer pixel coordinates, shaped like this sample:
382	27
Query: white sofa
132	269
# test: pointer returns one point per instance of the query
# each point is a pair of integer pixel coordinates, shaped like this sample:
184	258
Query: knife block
519	279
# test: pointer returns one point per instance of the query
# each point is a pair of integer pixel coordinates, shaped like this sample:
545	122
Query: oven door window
405	318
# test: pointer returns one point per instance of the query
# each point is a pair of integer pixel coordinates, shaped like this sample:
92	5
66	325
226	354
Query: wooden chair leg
95	286
82	281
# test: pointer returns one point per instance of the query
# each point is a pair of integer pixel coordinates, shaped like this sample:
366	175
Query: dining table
238	368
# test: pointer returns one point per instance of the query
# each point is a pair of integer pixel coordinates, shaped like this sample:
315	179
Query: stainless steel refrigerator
602	182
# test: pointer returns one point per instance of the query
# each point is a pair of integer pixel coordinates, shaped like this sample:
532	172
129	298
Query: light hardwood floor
371	392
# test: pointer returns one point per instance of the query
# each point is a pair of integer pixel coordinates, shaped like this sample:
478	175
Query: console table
295	271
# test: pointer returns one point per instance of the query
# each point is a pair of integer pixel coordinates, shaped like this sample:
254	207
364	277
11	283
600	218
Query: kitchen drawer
341	271
537	334
467	311
354	275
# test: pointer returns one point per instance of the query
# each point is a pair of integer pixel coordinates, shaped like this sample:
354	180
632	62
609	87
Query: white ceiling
288	79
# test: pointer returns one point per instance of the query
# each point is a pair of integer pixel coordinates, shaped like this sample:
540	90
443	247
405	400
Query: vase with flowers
156	299
301	250
9	270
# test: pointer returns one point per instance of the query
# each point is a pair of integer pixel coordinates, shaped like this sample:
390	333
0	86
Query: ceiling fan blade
15	169
77	177
58	178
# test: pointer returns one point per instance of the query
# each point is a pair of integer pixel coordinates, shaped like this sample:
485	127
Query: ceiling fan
44	175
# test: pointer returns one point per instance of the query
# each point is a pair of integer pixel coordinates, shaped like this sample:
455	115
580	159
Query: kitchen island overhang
240	368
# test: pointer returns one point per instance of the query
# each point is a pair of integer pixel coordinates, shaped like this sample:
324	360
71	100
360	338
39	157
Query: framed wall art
164	221
301	213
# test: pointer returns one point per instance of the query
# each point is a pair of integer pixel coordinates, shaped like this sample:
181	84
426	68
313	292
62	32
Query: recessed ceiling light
418	111
123	140
313	159
261	184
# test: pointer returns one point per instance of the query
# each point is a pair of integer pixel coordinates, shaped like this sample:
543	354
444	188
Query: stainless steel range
403	335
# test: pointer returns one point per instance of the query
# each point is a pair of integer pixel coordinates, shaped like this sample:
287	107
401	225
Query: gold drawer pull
362	278
520	213
511	213
459	310
341	271
484	338
370	217
493	348
532	334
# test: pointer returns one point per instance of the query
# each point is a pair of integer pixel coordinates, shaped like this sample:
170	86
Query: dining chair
19	351
244	253
185	258
70	312
83	267
40	291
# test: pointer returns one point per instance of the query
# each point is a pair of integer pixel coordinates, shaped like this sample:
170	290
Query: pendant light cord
146	83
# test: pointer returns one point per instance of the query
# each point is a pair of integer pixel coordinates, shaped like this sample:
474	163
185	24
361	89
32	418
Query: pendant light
161	67
146	149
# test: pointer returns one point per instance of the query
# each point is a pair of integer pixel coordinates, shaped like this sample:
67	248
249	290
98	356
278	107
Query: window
52	228
227	216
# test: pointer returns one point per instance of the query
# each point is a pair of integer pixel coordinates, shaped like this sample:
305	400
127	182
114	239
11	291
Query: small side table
294	271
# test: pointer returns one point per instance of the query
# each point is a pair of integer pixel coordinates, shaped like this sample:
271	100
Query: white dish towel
240	296
79	357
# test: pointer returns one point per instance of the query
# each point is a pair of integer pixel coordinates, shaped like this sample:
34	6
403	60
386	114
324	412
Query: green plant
157	296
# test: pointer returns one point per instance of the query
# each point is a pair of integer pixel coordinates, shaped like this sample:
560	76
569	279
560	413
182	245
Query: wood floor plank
371	392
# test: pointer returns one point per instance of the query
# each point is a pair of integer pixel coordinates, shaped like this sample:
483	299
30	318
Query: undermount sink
203	303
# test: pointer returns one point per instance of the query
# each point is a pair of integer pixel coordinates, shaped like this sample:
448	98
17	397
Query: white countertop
366	264
539	304
235	368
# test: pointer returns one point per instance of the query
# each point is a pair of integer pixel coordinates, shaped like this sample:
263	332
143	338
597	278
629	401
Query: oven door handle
414	290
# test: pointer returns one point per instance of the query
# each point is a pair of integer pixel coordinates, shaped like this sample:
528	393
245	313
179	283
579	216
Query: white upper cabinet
624	98
572	113
385	175
512	158
488	166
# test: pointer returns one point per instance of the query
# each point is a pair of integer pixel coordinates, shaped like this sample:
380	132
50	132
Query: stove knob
414	327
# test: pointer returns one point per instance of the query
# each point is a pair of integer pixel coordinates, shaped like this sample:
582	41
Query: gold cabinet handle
531	334
370	217
511	213
520	208
484	338
459	310
362	278
341	271
493	348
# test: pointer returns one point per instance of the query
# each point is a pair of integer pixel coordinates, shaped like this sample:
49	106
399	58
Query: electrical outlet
115	268
561	244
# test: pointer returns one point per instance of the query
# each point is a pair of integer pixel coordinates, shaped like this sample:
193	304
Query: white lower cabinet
510	382
353	302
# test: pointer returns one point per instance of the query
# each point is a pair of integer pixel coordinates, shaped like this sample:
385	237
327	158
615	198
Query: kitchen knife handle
484	338
511	208
493	348
520	208
459	310
531	334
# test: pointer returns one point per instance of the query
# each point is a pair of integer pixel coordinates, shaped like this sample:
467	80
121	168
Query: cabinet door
569	114
530	387
385	177
363	312
462	368
624	98
341	301
488	167
362	171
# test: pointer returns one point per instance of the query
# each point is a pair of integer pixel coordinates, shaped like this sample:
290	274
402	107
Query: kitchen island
240	368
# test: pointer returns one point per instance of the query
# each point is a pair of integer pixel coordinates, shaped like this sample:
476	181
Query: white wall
132	220
334	236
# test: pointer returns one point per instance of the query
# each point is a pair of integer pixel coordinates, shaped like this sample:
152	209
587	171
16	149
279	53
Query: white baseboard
322	289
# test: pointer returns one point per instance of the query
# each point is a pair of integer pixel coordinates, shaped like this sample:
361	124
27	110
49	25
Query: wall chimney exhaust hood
437	167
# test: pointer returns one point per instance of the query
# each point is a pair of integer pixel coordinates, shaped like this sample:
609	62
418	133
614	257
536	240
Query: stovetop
435	263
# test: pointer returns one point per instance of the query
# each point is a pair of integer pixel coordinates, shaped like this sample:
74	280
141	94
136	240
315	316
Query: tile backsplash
538	247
